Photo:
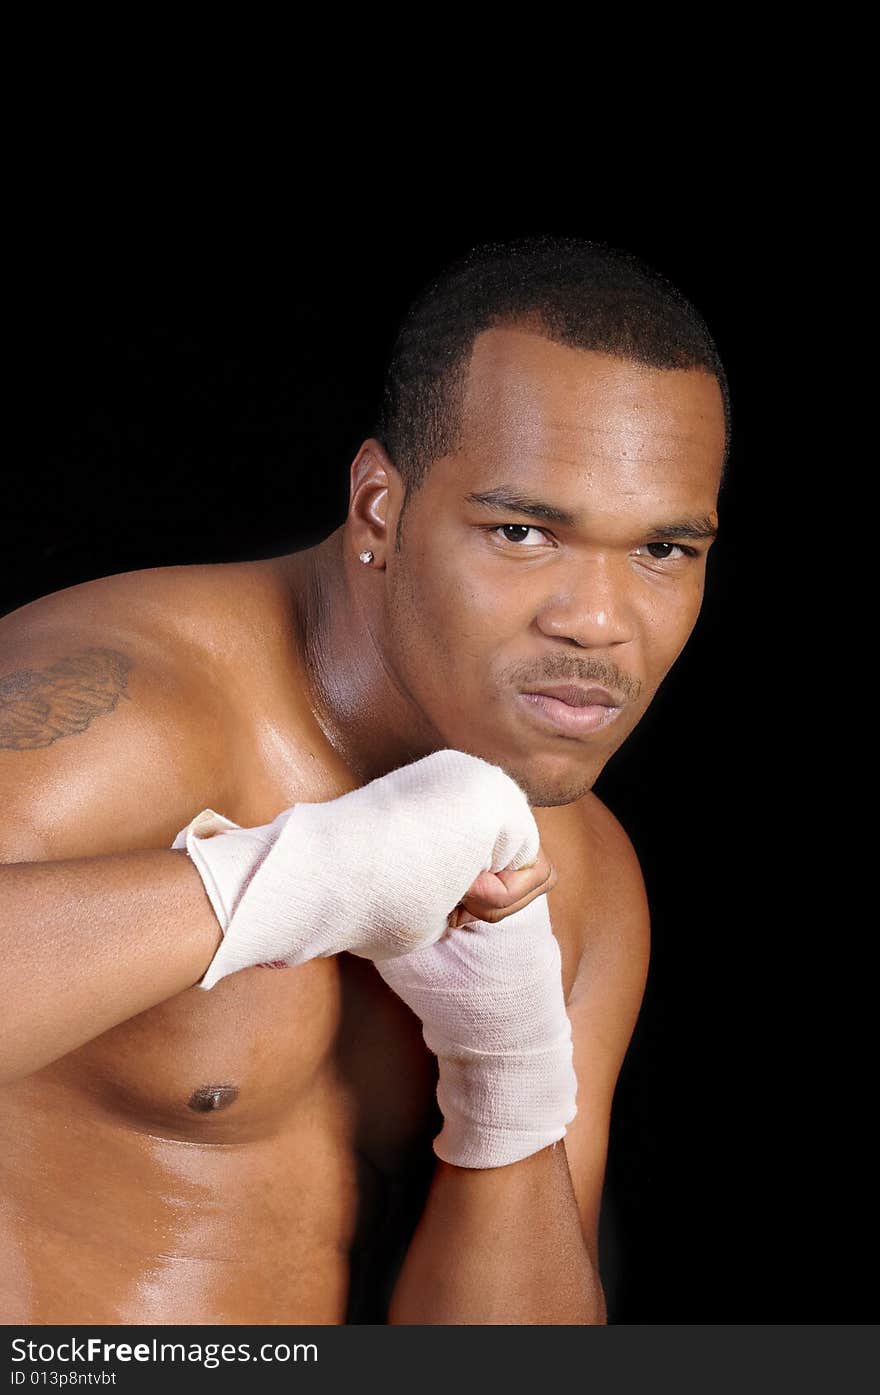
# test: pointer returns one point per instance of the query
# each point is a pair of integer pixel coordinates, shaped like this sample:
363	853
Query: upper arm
96	754
604	1003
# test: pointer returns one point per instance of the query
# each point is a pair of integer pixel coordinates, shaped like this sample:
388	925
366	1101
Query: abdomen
123	1202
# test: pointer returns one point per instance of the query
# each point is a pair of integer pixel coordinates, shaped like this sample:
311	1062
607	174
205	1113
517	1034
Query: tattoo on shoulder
40	706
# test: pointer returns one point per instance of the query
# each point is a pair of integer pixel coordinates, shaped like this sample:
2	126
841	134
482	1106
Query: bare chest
243	1061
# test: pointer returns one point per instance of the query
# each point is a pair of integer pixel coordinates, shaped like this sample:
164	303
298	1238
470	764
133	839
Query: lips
575	695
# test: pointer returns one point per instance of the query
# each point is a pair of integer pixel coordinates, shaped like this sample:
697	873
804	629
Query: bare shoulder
600	902
130	703
616	914
112	711
611	854
173	611
608	905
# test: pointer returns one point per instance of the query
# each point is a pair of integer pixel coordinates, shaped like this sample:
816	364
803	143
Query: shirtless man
262	1152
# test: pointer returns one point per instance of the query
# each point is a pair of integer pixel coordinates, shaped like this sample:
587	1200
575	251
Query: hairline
529	324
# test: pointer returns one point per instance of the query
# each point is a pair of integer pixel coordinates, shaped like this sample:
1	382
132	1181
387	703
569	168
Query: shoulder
609	848
177	613
600	913
112	712
617	918
607	908
601	889
615	927
148	696
152	629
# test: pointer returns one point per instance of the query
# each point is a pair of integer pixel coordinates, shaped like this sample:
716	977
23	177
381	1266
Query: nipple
209	1097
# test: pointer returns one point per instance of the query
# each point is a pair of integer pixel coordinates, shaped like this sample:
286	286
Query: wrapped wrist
500	1108
492	1007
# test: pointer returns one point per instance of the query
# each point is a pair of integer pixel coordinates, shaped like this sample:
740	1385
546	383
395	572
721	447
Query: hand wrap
376	872
492	1007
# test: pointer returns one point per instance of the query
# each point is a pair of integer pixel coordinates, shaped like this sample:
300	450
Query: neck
355	697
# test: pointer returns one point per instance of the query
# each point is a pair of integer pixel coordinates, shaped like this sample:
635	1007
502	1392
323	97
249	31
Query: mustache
620	685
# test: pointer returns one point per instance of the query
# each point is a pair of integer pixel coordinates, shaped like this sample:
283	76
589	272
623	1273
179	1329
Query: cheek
478	626
446	636
453	608
667	627
424	627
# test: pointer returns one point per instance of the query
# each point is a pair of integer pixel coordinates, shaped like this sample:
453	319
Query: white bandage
492	1007
376	872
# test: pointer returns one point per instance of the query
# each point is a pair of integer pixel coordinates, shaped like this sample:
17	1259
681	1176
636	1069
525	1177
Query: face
486	598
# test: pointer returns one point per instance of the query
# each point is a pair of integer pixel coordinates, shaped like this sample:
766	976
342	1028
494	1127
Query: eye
657	551
685	551
521	528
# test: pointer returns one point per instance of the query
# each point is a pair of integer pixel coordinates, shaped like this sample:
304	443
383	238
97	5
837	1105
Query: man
532	514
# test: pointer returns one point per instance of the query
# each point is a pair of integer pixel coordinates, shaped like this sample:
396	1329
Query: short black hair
578	292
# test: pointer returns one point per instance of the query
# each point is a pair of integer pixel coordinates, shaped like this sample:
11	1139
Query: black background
198	398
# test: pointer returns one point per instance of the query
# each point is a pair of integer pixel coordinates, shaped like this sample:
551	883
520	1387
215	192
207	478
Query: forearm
89	942
500	1245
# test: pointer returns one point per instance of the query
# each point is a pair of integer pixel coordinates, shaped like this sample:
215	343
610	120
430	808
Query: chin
551	794
545	780
548	782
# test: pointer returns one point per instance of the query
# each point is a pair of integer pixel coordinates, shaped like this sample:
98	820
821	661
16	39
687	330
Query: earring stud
366	557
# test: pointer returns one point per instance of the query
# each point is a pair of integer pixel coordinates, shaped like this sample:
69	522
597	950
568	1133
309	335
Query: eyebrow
508	500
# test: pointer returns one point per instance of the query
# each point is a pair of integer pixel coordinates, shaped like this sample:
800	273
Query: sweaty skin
260	1153
216	1158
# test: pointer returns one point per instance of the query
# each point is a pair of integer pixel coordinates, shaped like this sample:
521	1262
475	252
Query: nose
590	606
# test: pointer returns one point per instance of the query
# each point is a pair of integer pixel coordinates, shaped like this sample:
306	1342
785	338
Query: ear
376	498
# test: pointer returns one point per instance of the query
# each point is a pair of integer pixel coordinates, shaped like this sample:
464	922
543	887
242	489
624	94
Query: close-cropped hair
584	294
